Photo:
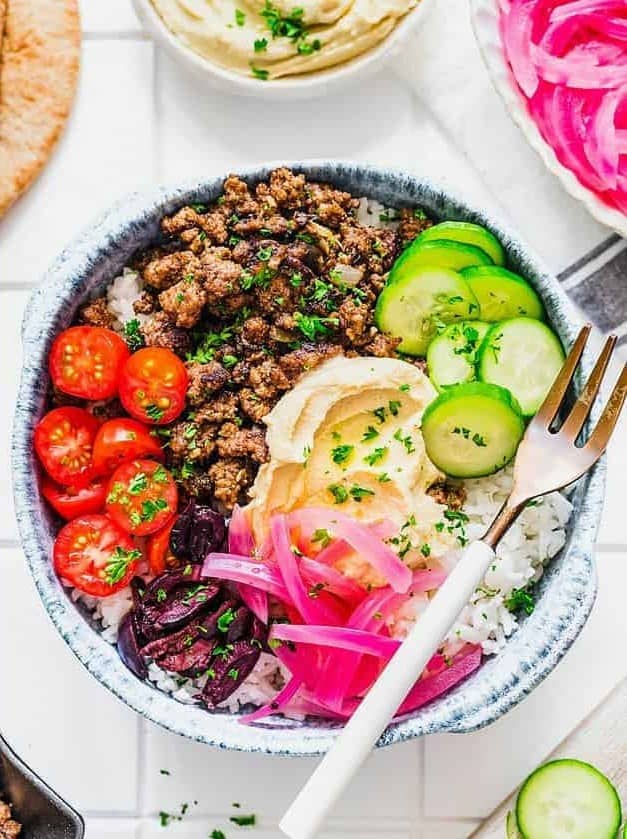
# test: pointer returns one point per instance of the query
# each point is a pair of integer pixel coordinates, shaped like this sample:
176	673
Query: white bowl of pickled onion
535	64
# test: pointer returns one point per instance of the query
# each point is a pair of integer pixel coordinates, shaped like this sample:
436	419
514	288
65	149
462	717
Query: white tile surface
238	777
109	17
140	118
498	757
60	720
106	152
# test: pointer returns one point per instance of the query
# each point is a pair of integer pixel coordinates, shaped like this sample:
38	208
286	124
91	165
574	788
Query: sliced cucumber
568	799
412	307
451	356
438	253
469	234
472	429
511	826
524	356
503	294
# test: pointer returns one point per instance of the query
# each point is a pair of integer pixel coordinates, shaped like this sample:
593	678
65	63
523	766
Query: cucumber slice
472	430
438	254
469	234
511	826
412	307
568	799
451	356
524	356
503	294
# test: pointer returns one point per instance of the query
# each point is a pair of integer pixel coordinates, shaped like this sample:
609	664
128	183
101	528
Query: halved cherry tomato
93	554
64	441
159	549
123	439
71	502
141	497
86	361
153	385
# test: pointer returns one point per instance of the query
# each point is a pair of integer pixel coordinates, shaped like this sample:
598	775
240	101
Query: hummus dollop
246	35
348	437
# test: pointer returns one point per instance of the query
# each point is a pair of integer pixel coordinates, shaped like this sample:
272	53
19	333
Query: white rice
537	536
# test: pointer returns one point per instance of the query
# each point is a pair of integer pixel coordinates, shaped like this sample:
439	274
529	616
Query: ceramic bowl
298	87
485	22
40	811
567	590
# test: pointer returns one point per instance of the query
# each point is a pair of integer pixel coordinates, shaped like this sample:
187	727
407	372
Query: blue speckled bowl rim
567	590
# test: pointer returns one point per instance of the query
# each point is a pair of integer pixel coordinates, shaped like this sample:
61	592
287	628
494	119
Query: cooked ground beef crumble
252	291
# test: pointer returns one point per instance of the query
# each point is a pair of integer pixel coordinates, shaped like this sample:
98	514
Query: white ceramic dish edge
485	22
313	85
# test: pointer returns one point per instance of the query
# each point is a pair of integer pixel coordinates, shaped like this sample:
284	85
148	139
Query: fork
548	459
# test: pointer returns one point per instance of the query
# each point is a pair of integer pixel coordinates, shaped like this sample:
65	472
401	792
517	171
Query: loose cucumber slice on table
451	356
472	430
524	356
503	294
469	234
568	799
438	254
511	826
412	307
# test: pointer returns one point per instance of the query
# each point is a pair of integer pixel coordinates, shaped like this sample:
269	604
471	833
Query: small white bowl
485	22
298	87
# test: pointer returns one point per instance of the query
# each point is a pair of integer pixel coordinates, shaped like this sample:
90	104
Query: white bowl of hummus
282	49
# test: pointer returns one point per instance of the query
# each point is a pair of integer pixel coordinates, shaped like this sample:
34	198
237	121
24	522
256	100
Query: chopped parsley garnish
384	478
155	413
420	215
376	455
164	771
233	674
225	620
306	454
150	508
290	26
244	821
240	17
161	595
405	440
309	47
199	208
259	73
323	536
369	434
358	493
425	550
404	388
261	44
312	326
160	476
296	279
520	599
380	414
138	483
118	563
208	343
339	493
264	254
229	361
340	454
394	406
132	335
217	834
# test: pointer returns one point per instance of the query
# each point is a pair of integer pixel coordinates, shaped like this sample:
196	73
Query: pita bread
39	73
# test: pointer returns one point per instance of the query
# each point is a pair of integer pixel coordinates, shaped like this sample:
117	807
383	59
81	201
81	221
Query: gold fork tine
600	437
574	422
551	405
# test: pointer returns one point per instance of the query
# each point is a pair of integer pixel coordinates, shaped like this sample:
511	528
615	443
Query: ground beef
450	495
145	304
97	313
231	478
412	223
253	290
159	331
205	380
9	828
166	271
184	302
236	442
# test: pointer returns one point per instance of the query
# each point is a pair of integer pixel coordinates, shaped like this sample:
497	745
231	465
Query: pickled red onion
569	61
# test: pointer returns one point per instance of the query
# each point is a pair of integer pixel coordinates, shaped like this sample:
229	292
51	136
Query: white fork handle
354	744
